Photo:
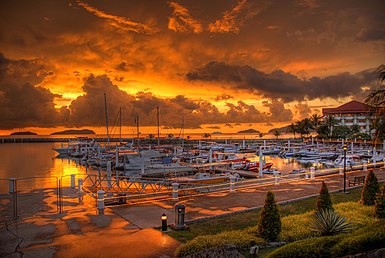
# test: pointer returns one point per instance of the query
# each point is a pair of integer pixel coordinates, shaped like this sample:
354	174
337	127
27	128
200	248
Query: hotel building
351	113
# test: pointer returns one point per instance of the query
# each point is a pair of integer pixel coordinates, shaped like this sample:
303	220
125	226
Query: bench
357	180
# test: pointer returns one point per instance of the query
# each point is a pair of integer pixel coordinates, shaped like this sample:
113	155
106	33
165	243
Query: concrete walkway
126	231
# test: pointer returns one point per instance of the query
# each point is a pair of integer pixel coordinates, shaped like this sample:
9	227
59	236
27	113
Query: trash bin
179	216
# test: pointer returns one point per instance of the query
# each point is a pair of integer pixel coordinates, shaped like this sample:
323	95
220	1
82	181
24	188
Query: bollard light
164	222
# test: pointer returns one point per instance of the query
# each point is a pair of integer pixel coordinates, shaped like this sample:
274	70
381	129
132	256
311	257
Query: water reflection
26	160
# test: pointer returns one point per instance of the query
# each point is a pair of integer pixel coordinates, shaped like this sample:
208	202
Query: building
351	113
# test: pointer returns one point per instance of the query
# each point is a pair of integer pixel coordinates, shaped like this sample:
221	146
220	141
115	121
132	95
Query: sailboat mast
120	124
183	133
157	119
105	107
137	128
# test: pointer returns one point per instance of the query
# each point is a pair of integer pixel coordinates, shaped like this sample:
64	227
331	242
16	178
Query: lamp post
345	149
164	222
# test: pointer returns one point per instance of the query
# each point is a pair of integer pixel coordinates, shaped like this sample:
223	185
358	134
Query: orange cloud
118	21
182	20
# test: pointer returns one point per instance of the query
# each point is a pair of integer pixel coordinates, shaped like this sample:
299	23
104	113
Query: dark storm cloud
21	103
88	109
280	84
372	35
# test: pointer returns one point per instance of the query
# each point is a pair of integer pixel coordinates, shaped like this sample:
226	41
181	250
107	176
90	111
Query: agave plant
328	223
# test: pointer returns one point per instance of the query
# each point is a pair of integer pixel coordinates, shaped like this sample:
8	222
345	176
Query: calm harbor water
25	160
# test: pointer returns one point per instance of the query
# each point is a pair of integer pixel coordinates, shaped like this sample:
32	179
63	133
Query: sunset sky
209	62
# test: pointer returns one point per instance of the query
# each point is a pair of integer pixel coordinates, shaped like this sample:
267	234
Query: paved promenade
126	231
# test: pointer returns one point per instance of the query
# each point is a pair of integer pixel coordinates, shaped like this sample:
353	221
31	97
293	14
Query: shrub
296	227
329	223
380	204
323	200
311	247
371	188
269	224
363	240
357	214
237	237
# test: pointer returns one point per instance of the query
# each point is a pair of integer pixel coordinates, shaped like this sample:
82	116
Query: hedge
237	237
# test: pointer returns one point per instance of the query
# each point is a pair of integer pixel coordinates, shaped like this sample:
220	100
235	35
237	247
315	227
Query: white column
276	177
80	185
175	191
341	169
365	165
352	147
232	184
72	180
100	200
312	173
288	144
264	143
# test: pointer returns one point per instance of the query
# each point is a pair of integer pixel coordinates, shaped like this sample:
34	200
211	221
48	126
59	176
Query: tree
376	99
151	136
380	204
206	135
260	135
277	133
371	188
292	129
170	136
324	202
269	224
330	121
341	131
316	120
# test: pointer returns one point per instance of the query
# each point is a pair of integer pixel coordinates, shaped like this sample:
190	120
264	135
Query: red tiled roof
348	108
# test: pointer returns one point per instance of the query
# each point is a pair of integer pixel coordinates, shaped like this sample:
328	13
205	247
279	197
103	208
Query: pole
120	124
137	128
106	110
345	168
157	119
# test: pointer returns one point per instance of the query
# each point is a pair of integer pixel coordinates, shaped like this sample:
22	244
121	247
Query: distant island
284	129
23	133
249	131
83	131
217	132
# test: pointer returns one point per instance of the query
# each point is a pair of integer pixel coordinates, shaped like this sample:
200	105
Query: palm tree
293	129
377	100
170	136
308	125
330	121
260	135
277	133
151	136
206	135
316	120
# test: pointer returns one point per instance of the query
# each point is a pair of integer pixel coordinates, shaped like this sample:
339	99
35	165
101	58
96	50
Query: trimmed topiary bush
311	247
370	190
269	224
323	201
363	240
237	237
380	204
329	223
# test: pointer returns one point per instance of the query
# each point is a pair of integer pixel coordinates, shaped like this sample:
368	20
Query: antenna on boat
157	119
105	107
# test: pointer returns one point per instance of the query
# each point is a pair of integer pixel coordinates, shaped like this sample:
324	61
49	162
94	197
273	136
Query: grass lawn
247	219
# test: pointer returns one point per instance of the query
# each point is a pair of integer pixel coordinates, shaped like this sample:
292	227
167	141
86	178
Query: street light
345	149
